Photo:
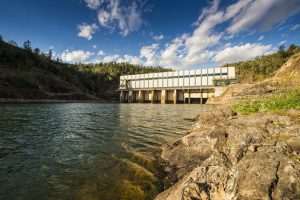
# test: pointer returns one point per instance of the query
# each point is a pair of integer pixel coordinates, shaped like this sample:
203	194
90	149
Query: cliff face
226	156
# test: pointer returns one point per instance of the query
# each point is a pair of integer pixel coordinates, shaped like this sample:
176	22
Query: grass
275	103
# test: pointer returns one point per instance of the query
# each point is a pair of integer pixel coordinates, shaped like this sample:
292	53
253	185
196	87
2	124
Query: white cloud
261	38
110	58
150	54
127	18
205	45
122	59
101	53
87	31
94	46
158	37
295	27
243	52
282	42
76	56
93	4
263	15
194	50
130	59
208	11
104	18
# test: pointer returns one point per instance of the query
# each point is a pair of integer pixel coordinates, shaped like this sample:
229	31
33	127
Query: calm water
86	151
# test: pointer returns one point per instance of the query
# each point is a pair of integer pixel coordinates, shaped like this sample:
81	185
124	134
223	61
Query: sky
179	34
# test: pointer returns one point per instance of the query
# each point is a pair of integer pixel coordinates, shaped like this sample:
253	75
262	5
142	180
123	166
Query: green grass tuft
275	103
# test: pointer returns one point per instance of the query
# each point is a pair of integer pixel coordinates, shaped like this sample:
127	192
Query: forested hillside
30	74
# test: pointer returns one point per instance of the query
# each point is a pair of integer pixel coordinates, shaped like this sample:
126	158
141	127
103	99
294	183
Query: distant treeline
263	66
100	80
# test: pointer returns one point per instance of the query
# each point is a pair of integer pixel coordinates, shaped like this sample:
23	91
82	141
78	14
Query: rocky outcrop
228	156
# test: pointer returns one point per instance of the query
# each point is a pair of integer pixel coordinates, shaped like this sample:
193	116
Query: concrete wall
187	78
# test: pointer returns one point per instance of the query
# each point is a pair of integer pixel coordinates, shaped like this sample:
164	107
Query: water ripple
84	150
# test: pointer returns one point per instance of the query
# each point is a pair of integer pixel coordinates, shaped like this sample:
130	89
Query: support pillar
130	97
122	97
152	96
163	97
189	97
141	96
201	97
175	96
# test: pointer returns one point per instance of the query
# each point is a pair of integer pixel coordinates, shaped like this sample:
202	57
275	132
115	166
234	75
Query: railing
224	82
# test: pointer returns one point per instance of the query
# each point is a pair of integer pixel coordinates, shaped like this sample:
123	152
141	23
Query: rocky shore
227	155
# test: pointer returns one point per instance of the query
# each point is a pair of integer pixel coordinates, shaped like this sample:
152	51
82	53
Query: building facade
185	86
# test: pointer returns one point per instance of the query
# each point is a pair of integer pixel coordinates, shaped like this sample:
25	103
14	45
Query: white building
185	86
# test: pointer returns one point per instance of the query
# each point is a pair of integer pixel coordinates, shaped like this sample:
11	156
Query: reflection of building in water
188	86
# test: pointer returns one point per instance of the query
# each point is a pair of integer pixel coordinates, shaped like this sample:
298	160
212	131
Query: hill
263	67
283	80
31	74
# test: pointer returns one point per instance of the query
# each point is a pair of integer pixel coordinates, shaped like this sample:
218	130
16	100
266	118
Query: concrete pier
163	97
175	96
141	96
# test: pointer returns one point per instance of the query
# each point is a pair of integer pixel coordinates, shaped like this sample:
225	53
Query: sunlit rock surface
228	156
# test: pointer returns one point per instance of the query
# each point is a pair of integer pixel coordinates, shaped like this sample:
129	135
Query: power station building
185	86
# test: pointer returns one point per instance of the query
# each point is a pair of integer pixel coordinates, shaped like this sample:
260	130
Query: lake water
86	150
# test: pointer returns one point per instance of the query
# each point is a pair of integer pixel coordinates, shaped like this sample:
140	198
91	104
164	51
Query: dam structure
184	86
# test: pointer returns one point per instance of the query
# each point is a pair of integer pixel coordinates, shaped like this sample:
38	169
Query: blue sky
180	34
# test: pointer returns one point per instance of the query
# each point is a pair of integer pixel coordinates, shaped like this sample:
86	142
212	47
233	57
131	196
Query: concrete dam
184	86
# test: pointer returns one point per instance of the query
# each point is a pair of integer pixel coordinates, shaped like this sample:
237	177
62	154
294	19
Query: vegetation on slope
264	66
29	73
275	103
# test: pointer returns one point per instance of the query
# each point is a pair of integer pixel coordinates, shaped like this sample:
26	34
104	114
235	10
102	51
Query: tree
27	45
13	43
1	38
281	48
281	51
49	54
37	51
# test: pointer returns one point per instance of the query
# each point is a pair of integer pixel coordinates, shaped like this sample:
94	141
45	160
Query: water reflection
85	151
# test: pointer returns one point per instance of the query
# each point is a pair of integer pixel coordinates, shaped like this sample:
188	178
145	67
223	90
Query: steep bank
227	155
286	78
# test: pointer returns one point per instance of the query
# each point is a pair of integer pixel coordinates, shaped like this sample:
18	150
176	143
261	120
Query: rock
251	148
227	156
294	143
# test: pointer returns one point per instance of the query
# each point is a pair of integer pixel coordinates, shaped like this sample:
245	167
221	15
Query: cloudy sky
182	34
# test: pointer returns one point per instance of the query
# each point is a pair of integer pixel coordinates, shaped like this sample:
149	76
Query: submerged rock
226	156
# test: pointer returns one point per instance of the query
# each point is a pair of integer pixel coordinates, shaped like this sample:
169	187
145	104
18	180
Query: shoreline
20	101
